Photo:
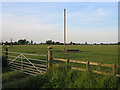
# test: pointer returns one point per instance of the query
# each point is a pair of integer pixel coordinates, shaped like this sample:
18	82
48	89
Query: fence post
87	66
6	55
49	59
114	67
67	62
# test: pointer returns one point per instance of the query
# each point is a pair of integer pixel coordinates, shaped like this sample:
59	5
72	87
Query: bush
57	75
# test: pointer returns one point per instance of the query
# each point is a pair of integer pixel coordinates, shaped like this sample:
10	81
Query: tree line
26	42
50	42
19	42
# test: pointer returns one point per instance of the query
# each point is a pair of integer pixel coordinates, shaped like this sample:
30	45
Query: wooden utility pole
64	30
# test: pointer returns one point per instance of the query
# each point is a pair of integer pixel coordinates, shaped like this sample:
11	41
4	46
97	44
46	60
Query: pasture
107	54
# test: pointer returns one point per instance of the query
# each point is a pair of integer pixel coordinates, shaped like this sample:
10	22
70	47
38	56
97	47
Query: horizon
91	22
61	42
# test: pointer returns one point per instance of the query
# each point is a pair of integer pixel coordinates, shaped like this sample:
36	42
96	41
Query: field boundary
85	62
49	63
88	63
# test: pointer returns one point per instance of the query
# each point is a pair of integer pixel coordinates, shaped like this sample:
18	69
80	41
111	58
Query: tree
101	43
49	42
71	43
23	42
57	43
85	43
6	43
31	42
15	43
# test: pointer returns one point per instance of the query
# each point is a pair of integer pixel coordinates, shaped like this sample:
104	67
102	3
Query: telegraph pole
64	30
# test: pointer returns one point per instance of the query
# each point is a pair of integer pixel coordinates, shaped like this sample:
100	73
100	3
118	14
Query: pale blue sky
86	21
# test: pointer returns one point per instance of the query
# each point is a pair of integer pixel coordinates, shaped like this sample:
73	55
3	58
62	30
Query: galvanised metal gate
27	63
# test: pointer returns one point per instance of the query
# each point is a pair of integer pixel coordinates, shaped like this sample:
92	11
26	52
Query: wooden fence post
49	59
87	66
6	55
67	62
114	67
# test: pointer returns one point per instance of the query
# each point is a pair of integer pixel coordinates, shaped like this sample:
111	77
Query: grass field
107	54
96	53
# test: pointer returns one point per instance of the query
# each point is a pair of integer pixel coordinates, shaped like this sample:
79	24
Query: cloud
83	25
87	16
100	11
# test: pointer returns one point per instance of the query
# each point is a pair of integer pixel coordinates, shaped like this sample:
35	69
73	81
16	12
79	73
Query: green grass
12	76
96	53
106	54
5	69
61	76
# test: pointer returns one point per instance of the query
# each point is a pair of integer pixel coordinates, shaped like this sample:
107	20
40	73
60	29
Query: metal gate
30	64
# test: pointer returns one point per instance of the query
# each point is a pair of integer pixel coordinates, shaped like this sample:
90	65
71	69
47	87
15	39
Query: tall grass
61	76
12	76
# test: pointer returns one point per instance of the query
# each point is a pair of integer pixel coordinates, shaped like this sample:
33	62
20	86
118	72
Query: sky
92	22
60	1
